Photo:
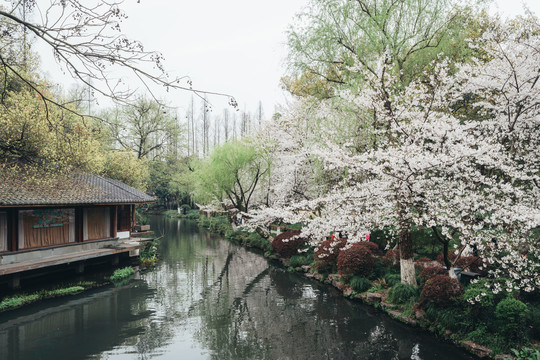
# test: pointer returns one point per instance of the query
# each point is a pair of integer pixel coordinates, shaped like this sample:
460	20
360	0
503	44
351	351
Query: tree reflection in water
209	299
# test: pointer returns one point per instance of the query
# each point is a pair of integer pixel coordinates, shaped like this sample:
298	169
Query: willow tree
233	172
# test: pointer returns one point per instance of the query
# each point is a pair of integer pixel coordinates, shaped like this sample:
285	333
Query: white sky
236	47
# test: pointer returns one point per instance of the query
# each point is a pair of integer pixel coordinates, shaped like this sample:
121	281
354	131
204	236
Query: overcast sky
235	47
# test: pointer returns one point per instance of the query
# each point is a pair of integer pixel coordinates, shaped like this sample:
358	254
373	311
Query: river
210	299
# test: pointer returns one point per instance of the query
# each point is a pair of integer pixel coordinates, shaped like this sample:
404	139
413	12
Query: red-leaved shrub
371	246
357	260
288	243
391	258
327	252
422	262
441	290
431	271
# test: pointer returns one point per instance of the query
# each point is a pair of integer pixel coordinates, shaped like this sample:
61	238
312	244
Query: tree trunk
406	262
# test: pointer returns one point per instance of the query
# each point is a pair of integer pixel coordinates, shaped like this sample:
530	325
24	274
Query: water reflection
209	299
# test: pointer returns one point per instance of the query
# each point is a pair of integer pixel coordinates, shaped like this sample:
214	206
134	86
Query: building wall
34	228
46	227
96	223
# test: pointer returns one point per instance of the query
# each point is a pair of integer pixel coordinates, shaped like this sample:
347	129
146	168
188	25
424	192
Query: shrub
371	246
299	260
431	271
392	279
527	354
360	284
512	314
16	301
288	243
534	320
401	293
422	262
121	274
442	290
391	258
479	294
327	252
357	260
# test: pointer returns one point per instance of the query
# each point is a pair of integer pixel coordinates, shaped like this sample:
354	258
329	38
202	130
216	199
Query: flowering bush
442	290
327	252
371	246
357	260
288	243
431	271
391	258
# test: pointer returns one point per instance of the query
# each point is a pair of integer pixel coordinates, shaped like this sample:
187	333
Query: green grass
121	274
19	300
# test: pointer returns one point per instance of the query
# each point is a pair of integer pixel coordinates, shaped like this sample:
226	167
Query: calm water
209	299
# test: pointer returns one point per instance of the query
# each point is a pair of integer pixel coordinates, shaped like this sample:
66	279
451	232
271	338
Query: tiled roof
68	189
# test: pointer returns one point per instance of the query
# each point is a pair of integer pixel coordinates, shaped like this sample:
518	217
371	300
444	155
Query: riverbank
469	326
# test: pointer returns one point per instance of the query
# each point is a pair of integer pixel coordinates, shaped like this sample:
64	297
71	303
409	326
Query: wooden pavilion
67	218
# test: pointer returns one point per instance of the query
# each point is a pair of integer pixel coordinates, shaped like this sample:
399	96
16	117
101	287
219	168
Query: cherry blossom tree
474	178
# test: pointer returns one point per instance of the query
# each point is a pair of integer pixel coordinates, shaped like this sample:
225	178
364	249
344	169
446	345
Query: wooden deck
34	264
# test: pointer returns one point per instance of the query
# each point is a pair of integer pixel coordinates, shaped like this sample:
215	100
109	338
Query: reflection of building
66	219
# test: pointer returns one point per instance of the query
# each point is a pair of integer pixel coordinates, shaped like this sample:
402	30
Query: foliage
149	255
356	260
481	295
512	314
360	284
401	293
442	290
232	172
16	301
431	271
534	320
288	243
300	260
526	354
371	246
122	274
143	128
72	290
392	279
327	252
391	258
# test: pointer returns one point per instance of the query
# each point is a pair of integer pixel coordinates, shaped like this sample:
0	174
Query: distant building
70	214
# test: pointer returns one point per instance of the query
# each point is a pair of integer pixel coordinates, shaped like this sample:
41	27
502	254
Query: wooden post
79	223
114	221
79	267
13	230
132	217
15	281
115	260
